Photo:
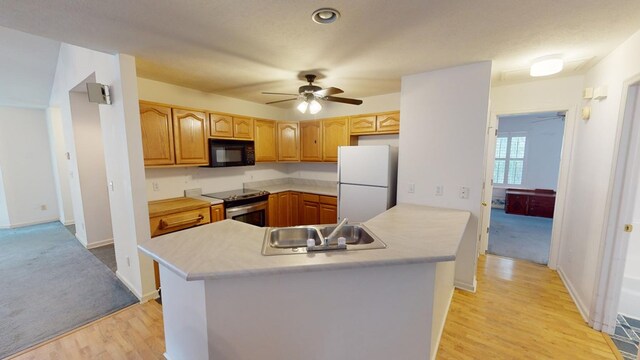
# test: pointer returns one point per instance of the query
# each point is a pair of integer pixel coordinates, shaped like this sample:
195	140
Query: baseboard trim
100	243
13	226
441	327
152	295
128	285
166	356
572	292
465	286
68	222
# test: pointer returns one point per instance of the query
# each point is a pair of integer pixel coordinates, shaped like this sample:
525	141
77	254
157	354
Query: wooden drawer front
328	200
389	123
178	221
310	197
217	213
363	124
242	128
221	125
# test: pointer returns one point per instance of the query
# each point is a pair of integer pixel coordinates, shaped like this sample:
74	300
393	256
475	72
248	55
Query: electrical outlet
156	186
464	192
439	190
412	188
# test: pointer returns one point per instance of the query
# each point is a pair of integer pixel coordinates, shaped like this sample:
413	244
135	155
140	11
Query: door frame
623	186
568	136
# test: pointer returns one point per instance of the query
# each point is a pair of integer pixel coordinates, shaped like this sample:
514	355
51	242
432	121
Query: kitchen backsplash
281	181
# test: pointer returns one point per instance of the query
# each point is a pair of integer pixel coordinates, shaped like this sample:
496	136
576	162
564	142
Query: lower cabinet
217	213
291	208
328	210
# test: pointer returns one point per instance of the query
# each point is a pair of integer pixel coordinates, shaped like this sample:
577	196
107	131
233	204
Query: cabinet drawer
310	197
328	200
173	222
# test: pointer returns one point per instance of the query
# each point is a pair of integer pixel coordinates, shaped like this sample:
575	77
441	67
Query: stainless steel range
246	205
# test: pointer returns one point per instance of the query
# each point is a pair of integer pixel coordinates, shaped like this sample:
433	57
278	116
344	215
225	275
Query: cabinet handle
164	224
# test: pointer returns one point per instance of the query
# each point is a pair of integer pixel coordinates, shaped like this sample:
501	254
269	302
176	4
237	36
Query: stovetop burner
239	194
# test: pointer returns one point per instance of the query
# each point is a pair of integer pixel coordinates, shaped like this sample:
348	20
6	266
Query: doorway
524	182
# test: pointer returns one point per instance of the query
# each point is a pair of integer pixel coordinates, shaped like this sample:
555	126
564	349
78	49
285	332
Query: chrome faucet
335	231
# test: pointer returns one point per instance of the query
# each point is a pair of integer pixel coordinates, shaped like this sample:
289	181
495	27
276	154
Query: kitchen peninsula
222	299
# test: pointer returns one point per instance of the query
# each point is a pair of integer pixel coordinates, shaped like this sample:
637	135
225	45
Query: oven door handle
233	211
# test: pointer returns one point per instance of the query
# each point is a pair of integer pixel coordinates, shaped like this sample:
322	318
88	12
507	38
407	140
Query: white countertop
312	189
228	248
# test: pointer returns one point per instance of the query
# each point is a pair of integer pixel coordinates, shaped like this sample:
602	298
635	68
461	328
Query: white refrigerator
367	178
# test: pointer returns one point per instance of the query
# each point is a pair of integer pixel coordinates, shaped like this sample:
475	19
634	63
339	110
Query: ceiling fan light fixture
325	16
546	65
302	107
314	107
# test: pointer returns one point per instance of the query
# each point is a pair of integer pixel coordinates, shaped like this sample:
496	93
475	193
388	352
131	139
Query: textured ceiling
27	67
239	48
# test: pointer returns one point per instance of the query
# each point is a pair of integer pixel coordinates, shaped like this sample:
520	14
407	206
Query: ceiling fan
310	94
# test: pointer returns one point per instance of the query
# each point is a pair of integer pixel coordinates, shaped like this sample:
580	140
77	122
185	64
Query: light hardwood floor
520	311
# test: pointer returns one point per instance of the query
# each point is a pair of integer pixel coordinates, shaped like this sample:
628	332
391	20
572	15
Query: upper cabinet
157	135
265	140
190	132
335	132
288	141
228	126
371	124
310	141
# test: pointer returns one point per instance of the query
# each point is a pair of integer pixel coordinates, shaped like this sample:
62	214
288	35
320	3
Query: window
509	165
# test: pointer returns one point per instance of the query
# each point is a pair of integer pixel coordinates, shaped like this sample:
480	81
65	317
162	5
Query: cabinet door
388	123
335	132
294	206
310	209
284	209
272	212
328	214
242	128
265	140
363	124
190	132
288	140
221	125
157	135
517	204
217	213
310	141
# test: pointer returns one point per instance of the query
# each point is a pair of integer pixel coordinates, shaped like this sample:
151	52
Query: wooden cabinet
272	211
265	140
310	141
294	202
288	141
217	213
284	209
538	202
310	209
190	136
372	124
157	135
328	210
335	132
228	126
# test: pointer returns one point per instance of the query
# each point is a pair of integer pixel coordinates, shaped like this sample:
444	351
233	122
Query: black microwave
224	153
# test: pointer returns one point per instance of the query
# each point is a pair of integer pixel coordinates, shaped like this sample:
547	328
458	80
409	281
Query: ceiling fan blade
276	93
343	100
328	91
279	101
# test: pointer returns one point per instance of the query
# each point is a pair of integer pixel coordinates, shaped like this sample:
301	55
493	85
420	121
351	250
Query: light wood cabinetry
294	202
284	209
290	208
311	141
288	141
157	135
272	210
228	126
372	124
310	209
266	140
335	132
190	136
217	213
328	210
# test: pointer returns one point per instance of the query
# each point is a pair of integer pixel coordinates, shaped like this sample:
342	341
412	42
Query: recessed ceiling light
546	65
325	15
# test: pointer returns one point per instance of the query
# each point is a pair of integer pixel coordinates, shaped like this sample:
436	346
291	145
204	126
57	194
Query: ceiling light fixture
325	15
546	65
302	107
314	107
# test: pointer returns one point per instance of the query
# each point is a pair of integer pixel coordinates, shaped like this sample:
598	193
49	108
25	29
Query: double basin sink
293	240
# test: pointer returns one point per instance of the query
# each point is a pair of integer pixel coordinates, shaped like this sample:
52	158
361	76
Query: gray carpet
106	254
520	237
51	284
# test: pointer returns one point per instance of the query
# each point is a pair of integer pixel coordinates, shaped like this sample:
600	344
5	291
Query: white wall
27	173
4	214
122	141
543	147
444	122
96	229
590	179
60	165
